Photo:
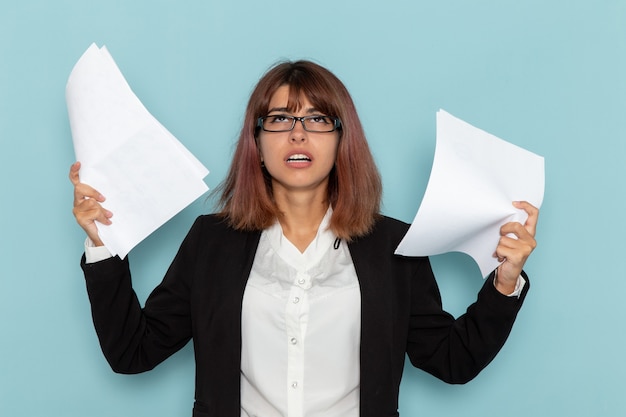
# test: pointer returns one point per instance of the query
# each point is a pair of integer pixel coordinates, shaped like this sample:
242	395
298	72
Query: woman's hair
354	187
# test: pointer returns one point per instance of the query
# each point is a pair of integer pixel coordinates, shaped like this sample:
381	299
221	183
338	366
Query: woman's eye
320	119
279	119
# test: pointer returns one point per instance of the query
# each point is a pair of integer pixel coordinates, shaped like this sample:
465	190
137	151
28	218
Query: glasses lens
319	124
278	123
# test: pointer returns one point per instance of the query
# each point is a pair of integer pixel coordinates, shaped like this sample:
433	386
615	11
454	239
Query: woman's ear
260	155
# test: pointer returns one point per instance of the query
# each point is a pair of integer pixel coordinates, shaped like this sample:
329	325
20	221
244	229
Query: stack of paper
474	180
145	173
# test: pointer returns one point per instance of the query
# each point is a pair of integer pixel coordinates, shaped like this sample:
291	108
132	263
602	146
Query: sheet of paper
474	180
146	174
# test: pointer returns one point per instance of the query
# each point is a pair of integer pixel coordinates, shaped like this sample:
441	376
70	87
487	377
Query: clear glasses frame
284	123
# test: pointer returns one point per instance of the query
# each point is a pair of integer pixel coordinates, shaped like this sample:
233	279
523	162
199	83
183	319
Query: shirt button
294	340
296	300
301	281
294	384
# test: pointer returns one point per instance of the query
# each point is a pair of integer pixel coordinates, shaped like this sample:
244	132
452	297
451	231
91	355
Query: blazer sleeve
135	339
456	350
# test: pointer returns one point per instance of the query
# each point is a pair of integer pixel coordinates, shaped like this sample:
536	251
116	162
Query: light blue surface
548	76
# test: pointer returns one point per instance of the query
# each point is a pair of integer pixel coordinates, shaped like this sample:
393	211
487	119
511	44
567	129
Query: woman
292	295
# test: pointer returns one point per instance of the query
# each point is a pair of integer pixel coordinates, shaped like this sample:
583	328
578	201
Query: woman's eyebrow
310	110
279	109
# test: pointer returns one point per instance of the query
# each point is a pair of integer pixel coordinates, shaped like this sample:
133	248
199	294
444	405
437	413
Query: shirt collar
324	239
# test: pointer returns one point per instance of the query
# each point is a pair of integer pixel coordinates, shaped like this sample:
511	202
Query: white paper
474	180
145	173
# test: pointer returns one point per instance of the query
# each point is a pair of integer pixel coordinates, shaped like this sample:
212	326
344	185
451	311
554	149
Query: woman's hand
514	252
87	207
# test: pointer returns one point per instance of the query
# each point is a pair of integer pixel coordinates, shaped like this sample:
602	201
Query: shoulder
214	222
215	230
376	252
390	225
387	228
386	231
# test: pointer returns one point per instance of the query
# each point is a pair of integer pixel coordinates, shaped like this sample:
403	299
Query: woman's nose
298	134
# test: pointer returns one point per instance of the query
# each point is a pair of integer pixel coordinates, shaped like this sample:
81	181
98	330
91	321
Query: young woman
292	294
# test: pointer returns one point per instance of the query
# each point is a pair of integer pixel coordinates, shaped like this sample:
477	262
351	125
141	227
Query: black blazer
200	298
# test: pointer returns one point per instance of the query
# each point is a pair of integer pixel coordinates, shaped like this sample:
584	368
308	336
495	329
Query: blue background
548	76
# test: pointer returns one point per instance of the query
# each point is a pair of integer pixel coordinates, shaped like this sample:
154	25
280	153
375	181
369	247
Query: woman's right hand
87	207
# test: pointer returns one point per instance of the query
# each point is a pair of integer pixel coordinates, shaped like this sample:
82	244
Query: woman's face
297	160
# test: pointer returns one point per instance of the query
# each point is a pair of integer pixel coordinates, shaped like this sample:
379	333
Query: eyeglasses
283	123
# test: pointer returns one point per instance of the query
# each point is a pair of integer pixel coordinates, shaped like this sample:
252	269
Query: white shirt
301	321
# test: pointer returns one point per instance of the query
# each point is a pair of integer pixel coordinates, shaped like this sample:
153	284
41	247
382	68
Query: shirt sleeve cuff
95	253
519	285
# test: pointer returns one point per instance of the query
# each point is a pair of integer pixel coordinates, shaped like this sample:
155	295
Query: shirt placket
296	314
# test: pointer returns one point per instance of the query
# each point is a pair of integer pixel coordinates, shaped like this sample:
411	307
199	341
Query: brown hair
354	187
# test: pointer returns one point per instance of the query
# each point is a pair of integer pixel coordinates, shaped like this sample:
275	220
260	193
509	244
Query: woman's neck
302	214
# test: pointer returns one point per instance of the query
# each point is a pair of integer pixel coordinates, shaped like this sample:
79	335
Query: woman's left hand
513	252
